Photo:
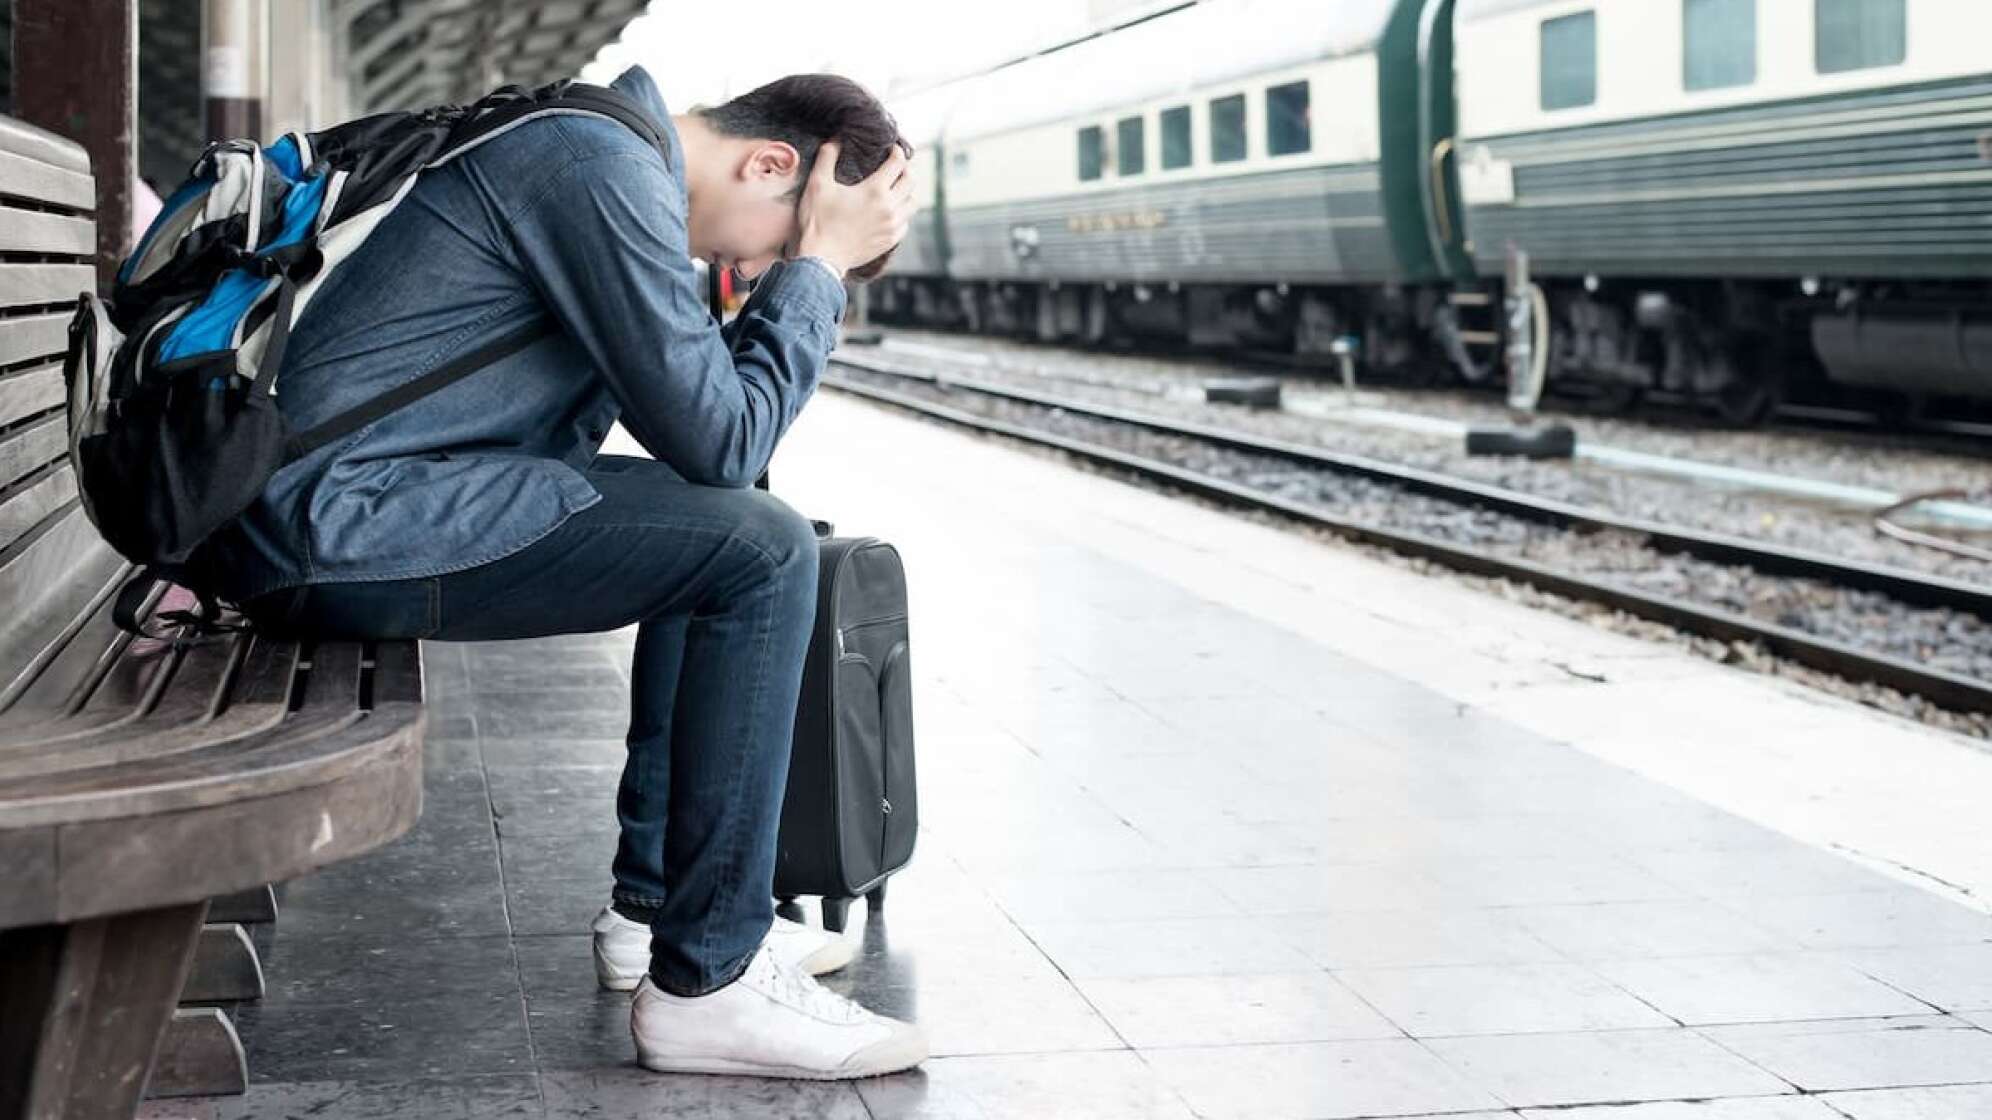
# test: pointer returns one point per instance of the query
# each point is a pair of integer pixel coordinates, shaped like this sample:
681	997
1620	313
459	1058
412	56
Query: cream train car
1715	194
1199	176
1711	189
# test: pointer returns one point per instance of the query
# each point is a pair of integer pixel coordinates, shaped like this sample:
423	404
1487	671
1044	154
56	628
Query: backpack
173	424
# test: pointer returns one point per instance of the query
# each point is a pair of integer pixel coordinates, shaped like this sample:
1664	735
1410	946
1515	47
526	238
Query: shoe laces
793	986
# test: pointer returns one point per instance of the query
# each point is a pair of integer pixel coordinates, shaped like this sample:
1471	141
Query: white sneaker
774	1021
622	948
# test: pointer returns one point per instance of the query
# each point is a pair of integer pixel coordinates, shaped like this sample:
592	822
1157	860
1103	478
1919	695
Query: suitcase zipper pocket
860	760
867	624
899	801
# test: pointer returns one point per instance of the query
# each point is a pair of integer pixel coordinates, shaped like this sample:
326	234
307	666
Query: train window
1092	152
1721	40
1175	137
1227	129
1128	140
1858	34
1570	61
1286	119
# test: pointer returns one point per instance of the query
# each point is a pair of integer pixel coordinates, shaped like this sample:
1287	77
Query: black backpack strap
509	108
280	329
129	609
443	376
614	103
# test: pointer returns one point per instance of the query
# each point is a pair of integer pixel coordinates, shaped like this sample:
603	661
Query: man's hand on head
848	224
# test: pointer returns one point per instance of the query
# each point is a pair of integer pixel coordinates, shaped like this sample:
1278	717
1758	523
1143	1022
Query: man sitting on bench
484	512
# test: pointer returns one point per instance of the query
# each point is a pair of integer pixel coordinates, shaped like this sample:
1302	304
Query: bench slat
26	177
33	448
35	503
48	580
306	749
334	681
267	676
29	285
135	673
39	144
64	681
362	789
26	392
397	673
33	336
251	742
30	231
118	722
179	722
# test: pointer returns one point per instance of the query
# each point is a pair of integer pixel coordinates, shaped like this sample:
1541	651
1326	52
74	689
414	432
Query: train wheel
1746	404
1754	383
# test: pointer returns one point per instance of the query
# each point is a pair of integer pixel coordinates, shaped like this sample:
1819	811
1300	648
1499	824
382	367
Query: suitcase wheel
835	912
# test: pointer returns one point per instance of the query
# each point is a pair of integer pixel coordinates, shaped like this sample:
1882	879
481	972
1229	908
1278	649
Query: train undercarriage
1735	348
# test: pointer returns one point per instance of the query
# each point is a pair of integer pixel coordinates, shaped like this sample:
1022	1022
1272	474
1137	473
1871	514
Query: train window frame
1844	62
1274	145
1243	131
1726	60
1170	119
1096	159
1131	145
1551	86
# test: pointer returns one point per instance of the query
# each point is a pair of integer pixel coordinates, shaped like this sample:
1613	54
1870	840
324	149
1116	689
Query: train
1717	200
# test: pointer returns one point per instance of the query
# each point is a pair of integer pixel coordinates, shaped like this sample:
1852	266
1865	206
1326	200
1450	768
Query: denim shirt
571	218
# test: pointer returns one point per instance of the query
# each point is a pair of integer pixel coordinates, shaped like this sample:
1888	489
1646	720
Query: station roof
405	53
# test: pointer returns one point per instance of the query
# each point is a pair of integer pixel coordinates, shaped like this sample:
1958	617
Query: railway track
1922	635
1963	436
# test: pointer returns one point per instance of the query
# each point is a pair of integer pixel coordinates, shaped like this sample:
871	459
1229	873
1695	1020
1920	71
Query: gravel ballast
1955	642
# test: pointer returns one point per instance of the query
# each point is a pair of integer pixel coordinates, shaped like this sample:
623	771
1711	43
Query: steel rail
1949	690
1897	583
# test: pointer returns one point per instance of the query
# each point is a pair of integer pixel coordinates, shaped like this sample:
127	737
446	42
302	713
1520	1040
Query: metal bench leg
225	966
200	1057
87	1005
257	904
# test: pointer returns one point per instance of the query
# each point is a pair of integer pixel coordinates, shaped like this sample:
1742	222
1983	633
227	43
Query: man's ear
773	159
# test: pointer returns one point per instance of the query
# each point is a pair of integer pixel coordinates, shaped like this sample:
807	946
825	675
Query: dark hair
804	110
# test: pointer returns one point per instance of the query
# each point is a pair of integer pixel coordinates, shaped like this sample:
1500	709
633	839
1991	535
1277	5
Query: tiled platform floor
1178	859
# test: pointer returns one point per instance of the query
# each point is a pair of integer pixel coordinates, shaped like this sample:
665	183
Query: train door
1438	126
1417	119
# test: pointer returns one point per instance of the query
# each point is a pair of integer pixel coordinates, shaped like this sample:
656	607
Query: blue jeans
721	585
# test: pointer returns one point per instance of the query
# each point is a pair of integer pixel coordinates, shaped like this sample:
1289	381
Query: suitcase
851	810
852	807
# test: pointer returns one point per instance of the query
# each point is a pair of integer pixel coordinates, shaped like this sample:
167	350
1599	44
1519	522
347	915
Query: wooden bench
145	782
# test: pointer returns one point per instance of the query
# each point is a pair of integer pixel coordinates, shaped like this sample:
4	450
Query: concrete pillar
299	55
76	74
235	68
337	80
